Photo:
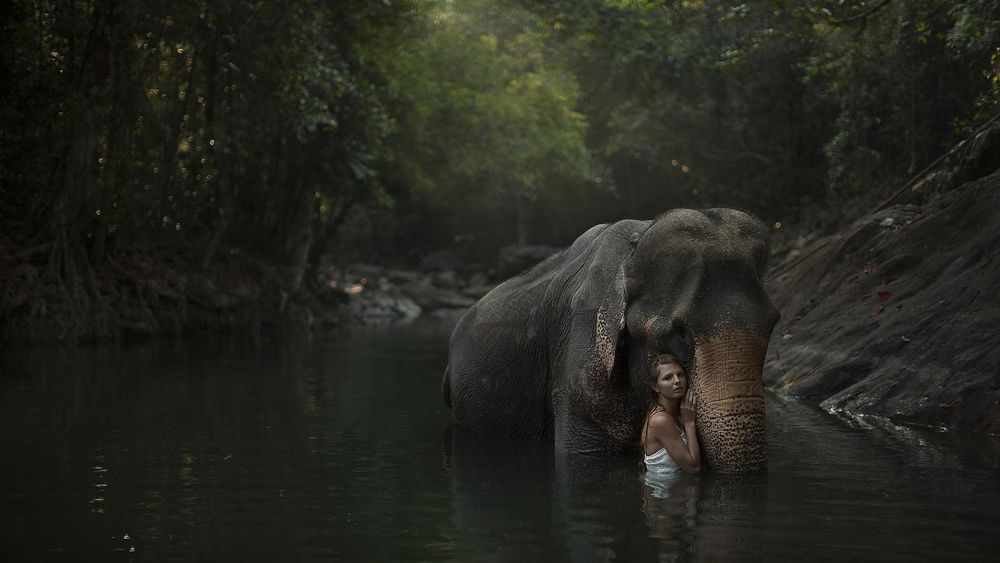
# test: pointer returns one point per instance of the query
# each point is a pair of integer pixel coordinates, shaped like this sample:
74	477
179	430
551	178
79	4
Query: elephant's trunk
729	385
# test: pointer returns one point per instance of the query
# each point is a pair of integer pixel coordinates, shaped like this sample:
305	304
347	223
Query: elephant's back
497	364
500	376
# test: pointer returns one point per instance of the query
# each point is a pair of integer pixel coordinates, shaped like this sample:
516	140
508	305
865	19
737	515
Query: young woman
669	437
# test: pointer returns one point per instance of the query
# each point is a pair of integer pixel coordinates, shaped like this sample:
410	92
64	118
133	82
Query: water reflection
545	505
670	505
600	500
331	449
500	496
706	517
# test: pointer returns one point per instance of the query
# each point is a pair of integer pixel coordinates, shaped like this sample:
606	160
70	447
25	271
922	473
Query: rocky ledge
898	316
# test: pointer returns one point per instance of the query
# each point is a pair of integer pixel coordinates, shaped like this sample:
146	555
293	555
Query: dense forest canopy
382	129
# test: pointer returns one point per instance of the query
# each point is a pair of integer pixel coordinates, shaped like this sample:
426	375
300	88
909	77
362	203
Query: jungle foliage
378	129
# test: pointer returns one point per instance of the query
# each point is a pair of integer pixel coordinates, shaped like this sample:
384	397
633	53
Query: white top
660	462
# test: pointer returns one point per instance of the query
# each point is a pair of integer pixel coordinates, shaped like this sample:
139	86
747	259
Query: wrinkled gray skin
564	348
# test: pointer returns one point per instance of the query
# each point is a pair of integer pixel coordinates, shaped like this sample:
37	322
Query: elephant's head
692	286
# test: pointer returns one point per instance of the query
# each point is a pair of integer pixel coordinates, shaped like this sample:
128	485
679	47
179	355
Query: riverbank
896	315
893	316
146	292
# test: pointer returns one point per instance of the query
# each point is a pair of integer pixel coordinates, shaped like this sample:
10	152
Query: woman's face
671	381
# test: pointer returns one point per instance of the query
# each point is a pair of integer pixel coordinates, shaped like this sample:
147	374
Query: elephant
563	350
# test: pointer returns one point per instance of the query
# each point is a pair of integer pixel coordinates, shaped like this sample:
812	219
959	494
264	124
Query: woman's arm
689	410
687	456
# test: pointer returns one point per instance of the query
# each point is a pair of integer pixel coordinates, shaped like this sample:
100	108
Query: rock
430	297
440	260
452	315
368	272
378	306
389	295
447	279
979	157
477	291
478	279
896	316
515	259
403	277
932	183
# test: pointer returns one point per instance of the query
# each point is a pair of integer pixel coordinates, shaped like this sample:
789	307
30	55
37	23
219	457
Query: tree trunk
226	206
78	168
521	218
299	239
224	178
327	229
98	244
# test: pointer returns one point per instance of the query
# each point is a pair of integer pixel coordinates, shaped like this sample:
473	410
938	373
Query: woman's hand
689	408
681	443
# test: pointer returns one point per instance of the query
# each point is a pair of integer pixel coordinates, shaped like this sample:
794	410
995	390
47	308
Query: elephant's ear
598	311
591	410
598	319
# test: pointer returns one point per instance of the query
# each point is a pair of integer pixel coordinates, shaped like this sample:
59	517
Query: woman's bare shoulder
660	422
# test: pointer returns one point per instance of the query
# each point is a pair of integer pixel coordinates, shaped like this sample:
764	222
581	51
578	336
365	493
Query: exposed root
142	292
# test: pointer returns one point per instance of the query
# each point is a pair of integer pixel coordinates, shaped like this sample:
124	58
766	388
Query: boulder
430	297
402	277
383	306
477	291
440	260
478	279
371	273
447	279
514	259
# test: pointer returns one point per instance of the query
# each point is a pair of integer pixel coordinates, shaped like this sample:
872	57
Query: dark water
338	448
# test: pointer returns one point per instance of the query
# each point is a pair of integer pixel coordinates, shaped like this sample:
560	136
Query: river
337	446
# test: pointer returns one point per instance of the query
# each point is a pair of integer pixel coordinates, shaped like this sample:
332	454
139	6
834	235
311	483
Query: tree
486	122
774	106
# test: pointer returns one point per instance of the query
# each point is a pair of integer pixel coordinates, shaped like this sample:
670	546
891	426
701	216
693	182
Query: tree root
139	292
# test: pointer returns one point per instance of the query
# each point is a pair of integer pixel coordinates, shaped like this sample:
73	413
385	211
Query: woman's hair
661	360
